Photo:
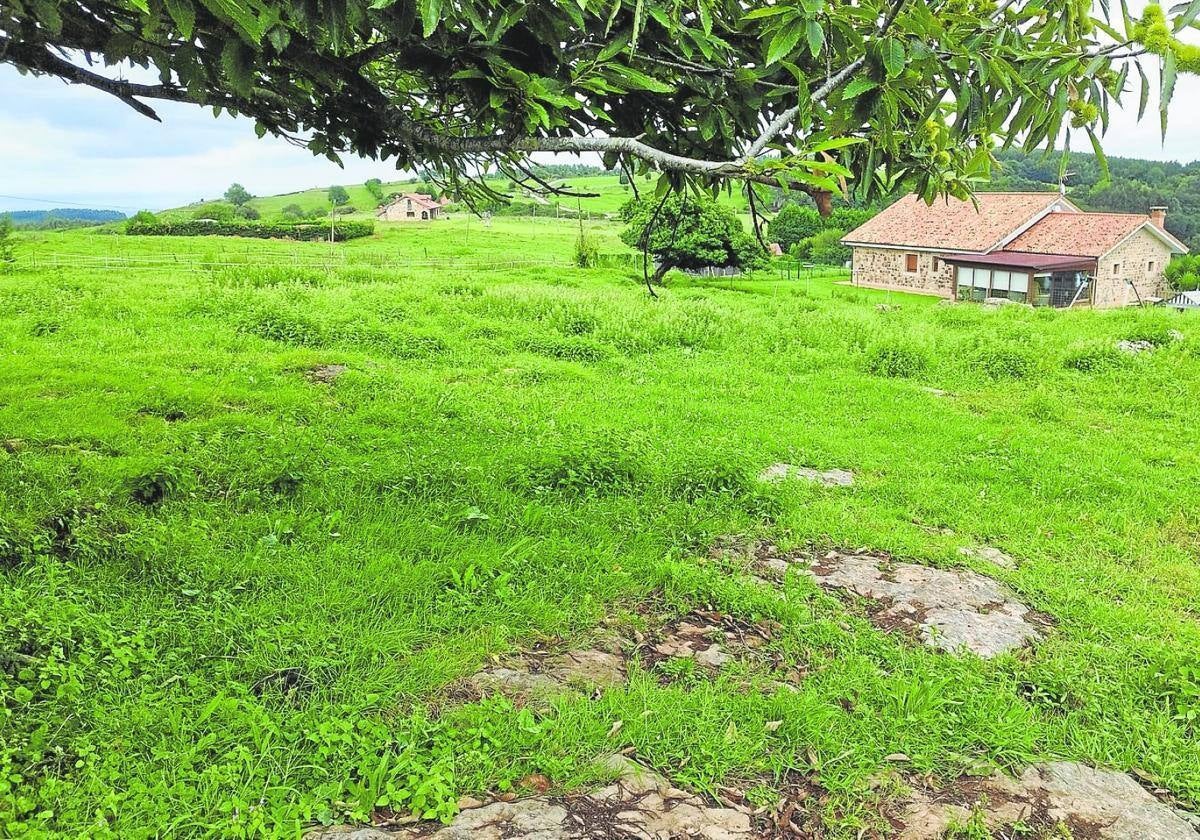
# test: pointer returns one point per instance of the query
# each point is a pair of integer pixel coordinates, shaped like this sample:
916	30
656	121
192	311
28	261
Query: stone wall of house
1133	256
885	268
398	211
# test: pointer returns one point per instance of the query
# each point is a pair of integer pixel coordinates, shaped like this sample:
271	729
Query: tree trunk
661	272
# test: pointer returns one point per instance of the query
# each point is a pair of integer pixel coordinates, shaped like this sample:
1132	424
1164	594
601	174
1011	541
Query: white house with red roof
1035	248
410	207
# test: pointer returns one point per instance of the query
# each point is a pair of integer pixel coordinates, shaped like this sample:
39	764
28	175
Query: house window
1116	268
1150	267
936	264
910	263
973	283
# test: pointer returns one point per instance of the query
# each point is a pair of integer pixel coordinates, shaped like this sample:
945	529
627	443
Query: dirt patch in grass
325	374
710	639
1054	800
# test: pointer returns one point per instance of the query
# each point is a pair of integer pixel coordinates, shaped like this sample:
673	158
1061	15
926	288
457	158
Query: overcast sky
64	145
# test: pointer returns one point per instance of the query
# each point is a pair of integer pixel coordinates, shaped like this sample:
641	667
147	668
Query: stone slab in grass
326	374
951	610
1059	799
535	674
989	554
640	804
790	472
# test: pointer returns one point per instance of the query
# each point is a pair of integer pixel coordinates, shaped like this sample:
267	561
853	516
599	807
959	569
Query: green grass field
235	601
604	195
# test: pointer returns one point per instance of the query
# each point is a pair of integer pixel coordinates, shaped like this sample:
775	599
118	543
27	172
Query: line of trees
1133	186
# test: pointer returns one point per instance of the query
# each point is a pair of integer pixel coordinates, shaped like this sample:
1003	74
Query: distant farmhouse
411	207
1035	248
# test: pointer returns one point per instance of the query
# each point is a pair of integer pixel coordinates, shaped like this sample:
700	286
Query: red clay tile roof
1079	234
422	202
952	224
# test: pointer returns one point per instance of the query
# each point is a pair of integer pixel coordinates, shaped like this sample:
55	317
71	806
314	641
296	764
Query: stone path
789	472
1090	804
639	805
950	610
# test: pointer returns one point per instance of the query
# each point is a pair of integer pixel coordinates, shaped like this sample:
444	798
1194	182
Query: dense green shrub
1183	273
257	230
794	223
897	361
221	211
825	248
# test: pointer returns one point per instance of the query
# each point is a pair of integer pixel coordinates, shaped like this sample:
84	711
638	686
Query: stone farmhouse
1035	248
411	207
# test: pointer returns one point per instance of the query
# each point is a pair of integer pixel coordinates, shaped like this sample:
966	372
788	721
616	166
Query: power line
55	203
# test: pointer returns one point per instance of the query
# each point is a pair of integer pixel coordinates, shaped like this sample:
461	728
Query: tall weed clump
897	359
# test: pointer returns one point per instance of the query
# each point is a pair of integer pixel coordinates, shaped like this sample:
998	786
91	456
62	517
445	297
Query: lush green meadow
235	601
599	195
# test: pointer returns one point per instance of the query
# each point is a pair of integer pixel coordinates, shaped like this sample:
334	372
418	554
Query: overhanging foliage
816	95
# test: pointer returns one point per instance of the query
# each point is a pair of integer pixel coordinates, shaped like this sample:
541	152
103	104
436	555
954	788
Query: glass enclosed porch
1037	279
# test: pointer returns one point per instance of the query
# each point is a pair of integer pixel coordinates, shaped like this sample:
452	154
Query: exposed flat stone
1135	348
1091	804
950	610
326	374
989	554
639	805
530	676
789	472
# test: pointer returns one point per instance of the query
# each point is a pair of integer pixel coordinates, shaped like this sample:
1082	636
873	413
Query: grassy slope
610	195
608	439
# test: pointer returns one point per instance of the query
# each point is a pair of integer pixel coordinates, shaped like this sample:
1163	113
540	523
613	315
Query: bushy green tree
338	196
375	188
7	242
292	211
237	195
689	232
825	247
219	210
144	217
250	213
794	223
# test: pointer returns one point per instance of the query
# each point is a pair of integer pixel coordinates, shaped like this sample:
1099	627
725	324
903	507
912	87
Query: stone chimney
1158	215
